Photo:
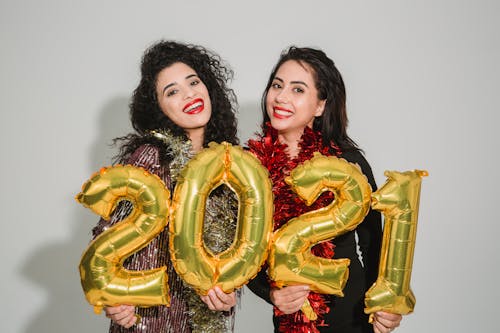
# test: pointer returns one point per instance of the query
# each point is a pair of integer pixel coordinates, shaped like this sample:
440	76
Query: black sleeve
259	285
369	235
370	230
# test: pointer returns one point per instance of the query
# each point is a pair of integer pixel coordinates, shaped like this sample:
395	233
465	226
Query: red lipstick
194	107
285	113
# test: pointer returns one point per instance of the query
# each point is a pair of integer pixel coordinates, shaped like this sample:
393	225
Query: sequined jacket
186	313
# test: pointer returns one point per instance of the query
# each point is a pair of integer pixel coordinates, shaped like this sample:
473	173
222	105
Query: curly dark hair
333	122
145	112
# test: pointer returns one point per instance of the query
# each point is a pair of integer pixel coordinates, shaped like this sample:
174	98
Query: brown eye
172	92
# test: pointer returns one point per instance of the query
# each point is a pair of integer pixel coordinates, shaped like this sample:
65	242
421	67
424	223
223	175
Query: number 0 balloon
242	172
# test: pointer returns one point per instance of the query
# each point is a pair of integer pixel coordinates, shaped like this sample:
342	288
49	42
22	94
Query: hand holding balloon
123	315
289	299
384	322
217	300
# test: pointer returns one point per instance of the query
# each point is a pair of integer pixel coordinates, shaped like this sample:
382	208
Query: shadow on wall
249	119
54	267
114	122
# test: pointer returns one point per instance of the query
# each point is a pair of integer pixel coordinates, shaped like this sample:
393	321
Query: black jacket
346	313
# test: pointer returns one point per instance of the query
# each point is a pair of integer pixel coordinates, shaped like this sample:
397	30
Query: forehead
175	72
293	70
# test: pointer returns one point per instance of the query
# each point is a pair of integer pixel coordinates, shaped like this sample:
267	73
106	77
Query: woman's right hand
289	299
217	300
123	315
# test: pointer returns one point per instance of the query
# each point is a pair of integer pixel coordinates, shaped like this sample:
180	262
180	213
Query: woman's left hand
217	300
384	322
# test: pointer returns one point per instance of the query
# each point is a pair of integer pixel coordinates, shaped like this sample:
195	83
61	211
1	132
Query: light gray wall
422	83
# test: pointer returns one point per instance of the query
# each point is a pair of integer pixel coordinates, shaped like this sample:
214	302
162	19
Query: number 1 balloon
398	200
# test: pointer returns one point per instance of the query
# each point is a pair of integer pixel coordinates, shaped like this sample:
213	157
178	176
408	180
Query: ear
321	108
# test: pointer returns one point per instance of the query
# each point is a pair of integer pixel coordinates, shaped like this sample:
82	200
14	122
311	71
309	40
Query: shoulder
145	155
357	157
159	146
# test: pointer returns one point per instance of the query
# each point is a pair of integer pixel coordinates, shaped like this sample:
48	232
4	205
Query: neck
197	136
291	139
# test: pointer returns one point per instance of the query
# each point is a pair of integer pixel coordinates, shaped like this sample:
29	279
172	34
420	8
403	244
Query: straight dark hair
333	122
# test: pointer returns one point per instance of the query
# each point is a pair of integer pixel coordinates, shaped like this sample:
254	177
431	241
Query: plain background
422	82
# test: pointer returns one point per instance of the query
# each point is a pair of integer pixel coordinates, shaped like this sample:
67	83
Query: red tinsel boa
287	205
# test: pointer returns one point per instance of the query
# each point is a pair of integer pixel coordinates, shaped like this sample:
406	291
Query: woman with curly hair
181	104
304	111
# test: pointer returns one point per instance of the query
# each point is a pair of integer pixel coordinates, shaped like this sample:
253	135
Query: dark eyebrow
292	82
168	86
174	83
300	82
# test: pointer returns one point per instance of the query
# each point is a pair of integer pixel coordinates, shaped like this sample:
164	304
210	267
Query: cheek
269	100
166	108
269	110
202	91
310	106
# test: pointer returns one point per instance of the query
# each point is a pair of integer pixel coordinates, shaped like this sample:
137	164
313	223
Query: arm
370	230
259	285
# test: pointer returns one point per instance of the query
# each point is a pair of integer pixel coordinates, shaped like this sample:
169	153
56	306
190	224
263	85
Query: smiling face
184	98
292	100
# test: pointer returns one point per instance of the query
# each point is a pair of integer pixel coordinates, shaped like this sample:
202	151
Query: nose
189	92
281	96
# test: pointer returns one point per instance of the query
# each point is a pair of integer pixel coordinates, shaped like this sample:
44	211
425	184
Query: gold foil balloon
234	267
398	200
291	260
104	280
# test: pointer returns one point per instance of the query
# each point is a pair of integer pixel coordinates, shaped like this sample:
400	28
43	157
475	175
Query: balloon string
308	310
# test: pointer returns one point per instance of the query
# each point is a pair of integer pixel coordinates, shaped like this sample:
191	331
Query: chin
279	124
